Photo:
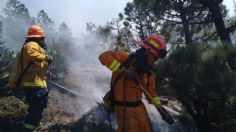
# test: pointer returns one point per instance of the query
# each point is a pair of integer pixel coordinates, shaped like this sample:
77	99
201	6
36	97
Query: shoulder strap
129	61
127	64
23	72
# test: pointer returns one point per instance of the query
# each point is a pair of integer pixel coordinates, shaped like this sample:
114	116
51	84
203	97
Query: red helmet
35	32
155	44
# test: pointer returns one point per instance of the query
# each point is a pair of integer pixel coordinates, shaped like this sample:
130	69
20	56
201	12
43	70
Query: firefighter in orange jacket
130	112
33	80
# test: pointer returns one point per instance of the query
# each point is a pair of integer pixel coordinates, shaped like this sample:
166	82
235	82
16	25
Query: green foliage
141	18
16	21
216	11
184	21
65	34
100	36
112	35
16	9
15	25
205	82
6	58
44	20
59	66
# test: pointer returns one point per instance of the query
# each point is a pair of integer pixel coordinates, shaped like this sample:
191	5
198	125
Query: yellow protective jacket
136	119
35	76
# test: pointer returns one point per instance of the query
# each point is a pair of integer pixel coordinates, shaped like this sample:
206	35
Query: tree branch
231	29
177	22
172	14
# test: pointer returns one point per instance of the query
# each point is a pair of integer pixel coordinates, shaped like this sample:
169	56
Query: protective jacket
35	75
136	119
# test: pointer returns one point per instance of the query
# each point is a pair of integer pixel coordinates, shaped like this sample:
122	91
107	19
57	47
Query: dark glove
49	59
5	91
129	74
42	92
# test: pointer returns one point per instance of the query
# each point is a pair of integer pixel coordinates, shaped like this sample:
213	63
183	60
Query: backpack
17	70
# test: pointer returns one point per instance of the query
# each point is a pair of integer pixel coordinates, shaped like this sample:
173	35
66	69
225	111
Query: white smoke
158	124
91	78
2	4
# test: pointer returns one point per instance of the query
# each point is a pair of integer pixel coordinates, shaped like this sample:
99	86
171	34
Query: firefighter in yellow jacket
130	112
32	63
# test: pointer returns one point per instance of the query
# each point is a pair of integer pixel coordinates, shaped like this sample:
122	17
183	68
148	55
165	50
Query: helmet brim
35	36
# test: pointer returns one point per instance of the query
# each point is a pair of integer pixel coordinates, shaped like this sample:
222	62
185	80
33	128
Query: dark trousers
37	98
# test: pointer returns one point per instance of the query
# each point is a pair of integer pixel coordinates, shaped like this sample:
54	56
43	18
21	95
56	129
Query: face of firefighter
151	59
42	42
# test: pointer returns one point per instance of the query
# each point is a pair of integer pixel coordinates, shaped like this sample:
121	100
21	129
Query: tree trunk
218	20
1	31
188	36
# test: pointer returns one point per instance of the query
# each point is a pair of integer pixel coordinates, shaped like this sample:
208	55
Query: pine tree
141	18
18	21
204	82
65	34
214	7
48	25
184	21
5	61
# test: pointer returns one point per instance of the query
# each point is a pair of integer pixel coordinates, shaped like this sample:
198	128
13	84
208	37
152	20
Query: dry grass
60	110
12	113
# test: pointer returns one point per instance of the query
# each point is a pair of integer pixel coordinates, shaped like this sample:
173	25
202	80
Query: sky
76	13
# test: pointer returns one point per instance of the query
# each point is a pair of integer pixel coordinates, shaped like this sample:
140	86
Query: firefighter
128	69
32	65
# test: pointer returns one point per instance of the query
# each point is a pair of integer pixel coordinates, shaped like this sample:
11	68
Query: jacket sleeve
34	52
152	89
112	59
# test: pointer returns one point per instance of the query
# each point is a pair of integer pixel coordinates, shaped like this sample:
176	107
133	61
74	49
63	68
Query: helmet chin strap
162	53
43	45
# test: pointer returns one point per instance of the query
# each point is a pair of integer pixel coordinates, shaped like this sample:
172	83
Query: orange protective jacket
136	119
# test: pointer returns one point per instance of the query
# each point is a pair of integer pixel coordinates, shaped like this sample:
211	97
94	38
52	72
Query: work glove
156	101
5	90
164	114
129	74
49	59
42	93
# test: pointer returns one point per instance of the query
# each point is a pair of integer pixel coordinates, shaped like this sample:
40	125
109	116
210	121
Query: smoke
87	76
2	4
90	78
158	124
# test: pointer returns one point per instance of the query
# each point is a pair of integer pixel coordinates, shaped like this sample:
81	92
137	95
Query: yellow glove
156	101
